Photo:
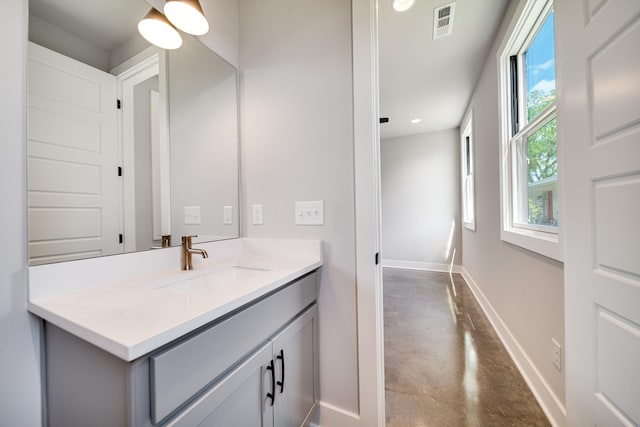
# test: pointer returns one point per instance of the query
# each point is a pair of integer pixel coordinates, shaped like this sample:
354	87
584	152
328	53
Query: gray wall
20	351
525	289
224	28
60	40
421	198
203	127
297	144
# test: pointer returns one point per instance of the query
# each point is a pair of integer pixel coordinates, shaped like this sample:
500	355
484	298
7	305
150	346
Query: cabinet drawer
186	368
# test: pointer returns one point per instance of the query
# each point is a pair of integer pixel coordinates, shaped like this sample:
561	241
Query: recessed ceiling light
402	5
416	121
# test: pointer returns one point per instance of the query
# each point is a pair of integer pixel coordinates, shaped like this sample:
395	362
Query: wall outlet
228	215
310	213
257	215
556	354
192	215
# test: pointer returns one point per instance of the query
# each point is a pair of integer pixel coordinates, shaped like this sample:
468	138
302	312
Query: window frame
467	173
545	240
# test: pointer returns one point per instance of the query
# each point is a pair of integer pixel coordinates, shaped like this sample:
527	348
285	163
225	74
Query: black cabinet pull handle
272	395
281	383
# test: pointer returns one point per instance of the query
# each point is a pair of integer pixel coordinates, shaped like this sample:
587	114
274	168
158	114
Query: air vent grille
443	20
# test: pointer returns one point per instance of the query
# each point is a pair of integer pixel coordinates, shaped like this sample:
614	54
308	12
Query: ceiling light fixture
415	121
157	30
187	15
402	5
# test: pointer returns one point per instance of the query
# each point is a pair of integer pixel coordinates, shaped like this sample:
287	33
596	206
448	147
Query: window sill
547	244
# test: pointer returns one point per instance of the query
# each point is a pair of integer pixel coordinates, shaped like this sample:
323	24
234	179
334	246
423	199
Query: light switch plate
310	213
192	215
257	215
228	215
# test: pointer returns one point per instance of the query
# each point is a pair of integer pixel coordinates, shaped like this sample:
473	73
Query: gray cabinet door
294	355
181	371
239	399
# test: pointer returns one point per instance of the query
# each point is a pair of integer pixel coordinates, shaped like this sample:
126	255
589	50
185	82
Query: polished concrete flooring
444	364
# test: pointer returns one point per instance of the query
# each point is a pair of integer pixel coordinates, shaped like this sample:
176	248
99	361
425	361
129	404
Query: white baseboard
417	265
329	416
551	405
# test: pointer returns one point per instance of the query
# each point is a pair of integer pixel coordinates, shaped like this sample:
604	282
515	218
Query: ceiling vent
443	20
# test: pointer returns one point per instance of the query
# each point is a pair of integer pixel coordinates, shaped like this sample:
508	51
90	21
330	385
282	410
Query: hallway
444	364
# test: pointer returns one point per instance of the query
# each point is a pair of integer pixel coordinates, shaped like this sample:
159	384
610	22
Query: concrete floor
444	364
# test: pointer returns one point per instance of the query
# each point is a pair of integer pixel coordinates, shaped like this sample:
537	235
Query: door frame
147	64
368	213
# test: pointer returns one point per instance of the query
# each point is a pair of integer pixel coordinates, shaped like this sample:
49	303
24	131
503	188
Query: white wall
297	144
421	199
524	289
19	353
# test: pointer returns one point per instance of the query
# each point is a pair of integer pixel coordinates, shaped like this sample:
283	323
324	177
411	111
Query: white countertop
133	317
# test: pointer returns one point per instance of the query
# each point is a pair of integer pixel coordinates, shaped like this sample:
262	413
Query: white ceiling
431	79
419	77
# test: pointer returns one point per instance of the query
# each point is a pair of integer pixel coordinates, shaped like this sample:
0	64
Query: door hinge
120	238
118	104
119	170
377	258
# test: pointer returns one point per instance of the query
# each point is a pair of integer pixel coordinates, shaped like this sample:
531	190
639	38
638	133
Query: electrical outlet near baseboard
556	354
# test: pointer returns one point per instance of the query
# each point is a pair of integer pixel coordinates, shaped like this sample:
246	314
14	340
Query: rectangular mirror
129	146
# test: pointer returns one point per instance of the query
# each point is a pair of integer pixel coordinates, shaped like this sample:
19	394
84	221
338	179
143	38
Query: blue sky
540	59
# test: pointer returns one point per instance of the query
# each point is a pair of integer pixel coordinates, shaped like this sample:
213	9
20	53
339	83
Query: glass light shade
187	15
402	5
156	29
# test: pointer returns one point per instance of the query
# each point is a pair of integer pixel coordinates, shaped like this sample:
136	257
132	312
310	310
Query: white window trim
535	239
466	130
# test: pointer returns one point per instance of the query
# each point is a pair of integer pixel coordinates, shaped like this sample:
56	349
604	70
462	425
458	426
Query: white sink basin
209	282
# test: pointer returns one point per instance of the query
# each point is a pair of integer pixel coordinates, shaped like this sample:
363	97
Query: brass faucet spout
199	251
188	251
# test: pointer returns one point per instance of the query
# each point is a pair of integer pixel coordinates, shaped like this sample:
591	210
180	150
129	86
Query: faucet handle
186	239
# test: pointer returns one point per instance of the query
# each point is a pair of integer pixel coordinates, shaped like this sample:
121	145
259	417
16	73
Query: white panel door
598	46
74	209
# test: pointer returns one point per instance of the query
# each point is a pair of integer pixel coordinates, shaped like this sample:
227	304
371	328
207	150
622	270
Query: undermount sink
212	281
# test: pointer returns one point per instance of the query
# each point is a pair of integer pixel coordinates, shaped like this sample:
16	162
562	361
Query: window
529	173
467	179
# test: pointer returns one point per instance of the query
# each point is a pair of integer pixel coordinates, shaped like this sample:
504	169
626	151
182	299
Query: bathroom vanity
231	343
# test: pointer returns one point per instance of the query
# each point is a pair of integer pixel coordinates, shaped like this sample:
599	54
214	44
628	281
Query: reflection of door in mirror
72	182
81	172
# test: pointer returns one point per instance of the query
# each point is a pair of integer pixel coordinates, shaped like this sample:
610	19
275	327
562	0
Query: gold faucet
188	251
